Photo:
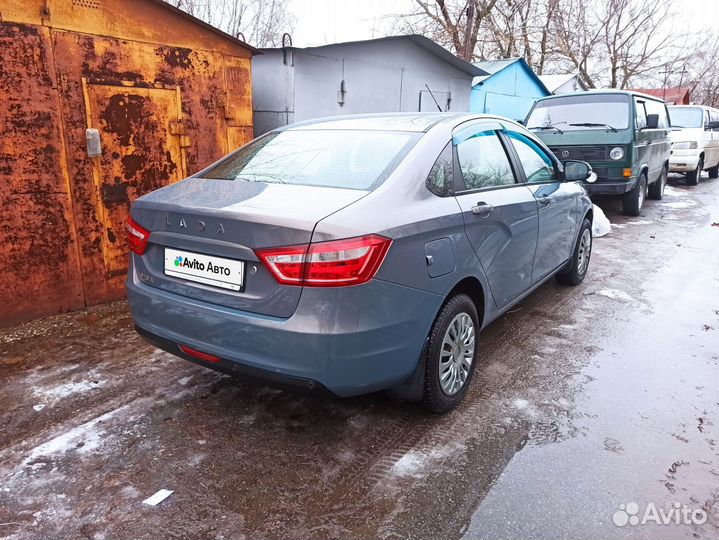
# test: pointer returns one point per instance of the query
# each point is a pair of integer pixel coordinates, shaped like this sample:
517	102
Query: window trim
458	177
558	166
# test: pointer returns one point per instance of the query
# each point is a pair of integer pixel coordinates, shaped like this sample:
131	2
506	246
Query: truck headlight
616	153
685	145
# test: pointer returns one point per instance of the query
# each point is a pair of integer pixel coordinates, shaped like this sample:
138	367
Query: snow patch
600	223
66	389
415	462
640	222
680	204
89	434
520	404
615	294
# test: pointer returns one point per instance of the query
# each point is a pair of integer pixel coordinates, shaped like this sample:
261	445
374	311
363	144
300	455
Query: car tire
713	171
633	201
441	357
693	177
656	190
575	272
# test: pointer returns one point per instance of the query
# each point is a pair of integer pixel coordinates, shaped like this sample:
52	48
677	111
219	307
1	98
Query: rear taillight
327	264
137	236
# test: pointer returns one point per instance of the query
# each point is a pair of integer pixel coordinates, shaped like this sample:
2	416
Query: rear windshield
581	112
686	117
330	158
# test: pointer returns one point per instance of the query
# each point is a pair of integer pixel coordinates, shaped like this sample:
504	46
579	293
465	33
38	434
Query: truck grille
585	153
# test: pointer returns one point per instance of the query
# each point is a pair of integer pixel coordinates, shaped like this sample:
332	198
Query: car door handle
544	200
482	209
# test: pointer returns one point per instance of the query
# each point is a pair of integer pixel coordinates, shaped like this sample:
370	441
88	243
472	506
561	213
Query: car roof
697	106
412	122
603	91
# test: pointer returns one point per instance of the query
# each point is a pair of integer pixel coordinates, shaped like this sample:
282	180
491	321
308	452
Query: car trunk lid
229	220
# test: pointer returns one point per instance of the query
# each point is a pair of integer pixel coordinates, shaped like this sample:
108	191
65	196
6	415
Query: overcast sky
330	21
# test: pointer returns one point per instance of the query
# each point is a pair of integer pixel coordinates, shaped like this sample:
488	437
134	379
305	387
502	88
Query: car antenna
435	100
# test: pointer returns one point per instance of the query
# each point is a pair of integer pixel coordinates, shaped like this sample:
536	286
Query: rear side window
439	180
484	162
351	159
538	166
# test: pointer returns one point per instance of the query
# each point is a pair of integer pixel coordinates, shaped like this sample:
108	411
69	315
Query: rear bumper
608	187
349	340
683	163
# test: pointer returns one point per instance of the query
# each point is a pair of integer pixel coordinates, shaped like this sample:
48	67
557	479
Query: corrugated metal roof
493	66
669	95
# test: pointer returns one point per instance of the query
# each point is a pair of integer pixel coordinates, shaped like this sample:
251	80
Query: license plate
206	269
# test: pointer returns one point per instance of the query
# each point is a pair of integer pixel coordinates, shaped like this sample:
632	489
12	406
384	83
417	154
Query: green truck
623	135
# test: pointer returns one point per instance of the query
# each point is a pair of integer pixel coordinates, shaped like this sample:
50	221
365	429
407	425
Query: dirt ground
584	399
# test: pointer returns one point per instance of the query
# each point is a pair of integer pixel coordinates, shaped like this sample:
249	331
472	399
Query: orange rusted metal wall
168	95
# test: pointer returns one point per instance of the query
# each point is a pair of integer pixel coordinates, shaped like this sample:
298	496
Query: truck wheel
656	190
577	269
633	201
714	171
451	354
693	177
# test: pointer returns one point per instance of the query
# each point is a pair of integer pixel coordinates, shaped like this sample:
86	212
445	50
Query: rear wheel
451	354
714	171
656	190
578	266
633	201
693	177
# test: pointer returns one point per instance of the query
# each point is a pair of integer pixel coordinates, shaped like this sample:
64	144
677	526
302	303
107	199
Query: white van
695	141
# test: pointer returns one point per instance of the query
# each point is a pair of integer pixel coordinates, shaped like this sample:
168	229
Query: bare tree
614	42
452	23
520	28
261	22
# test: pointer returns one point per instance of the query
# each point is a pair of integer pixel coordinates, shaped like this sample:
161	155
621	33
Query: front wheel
578	266
633	201
693	177
451	354
656	190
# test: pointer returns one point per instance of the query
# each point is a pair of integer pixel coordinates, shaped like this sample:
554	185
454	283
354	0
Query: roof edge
207	26
421	41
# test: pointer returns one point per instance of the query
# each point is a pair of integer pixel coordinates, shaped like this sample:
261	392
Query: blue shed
510	89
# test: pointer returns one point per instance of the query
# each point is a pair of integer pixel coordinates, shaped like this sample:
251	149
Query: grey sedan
359	253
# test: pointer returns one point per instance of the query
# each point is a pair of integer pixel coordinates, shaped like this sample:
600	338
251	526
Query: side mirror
652	121
520	122
579	171
713	124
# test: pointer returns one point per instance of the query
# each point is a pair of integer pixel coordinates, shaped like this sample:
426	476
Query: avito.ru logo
678	514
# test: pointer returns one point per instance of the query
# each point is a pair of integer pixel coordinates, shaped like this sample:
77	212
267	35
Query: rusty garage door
142	138
38	243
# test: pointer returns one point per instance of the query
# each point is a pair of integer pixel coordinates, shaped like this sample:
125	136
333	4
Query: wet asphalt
584	399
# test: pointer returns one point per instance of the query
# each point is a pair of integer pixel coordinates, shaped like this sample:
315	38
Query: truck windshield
686	117
589	111
331	158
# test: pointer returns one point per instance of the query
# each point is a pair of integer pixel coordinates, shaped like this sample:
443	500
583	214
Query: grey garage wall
379	76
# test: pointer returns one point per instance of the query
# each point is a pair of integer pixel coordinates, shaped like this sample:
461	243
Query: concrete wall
379	76
510	92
